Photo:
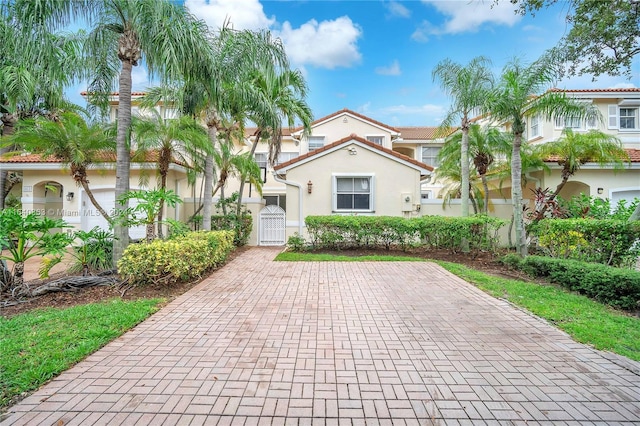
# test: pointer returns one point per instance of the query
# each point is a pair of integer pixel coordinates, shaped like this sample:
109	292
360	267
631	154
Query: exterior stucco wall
336	129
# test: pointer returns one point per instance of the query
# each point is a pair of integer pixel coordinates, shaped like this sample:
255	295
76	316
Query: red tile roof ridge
355	137
615	90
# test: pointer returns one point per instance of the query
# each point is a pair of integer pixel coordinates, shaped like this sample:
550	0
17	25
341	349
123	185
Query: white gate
272	226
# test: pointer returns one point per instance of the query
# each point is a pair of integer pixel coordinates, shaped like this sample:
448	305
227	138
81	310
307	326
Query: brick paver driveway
261	342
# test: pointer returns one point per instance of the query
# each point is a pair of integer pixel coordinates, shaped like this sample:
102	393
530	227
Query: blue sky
376	57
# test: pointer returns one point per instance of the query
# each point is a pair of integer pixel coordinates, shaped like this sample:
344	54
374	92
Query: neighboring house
48	188
620	111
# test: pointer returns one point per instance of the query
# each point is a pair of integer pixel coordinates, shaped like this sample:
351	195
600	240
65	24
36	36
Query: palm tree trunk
485	187
464	167
241	189
123	158
95	203
224	204
516	195
636	214
150	232
8	129
163	186
18	275
208	182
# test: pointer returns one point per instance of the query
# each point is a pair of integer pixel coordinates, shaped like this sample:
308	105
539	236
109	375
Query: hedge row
616	287
610	242
181	259
340	232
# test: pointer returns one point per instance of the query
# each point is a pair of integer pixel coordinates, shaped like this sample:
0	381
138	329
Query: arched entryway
272	226
48	199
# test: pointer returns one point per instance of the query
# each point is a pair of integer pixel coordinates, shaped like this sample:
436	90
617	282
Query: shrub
241	226
610	242
180	259
614	286
338	232
296	243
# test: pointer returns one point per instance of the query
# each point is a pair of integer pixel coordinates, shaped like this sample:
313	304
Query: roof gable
353	114
396	156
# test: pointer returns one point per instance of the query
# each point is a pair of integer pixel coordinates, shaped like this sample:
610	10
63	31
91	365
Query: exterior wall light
600	191
309	187
70	196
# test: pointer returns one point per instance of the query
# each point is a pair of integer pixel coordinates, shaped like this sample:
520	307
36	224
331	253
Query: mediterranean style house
350	164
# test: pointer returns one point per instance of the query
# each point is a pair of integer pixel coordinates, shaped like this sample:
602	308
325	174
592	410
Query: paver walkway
264	342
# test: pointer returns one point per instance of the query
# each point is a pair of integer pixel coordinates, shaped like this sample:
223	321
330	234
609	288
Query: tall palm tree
286	90
77	144
35	66
178	139
513	101
485	143
125	33
573	150
468	87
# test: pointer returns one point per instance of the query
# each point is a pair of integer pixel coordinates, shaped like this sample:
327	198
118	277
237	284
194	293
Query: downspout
299	186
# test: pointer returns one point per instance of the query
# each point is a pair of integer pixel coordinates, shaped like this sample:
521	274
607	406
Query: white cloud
326	44
397	9
421	34
243	14
469	16
393	69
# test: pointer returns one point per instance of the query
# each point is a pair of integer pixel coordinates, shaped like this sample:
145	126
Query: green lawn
37	346
585	320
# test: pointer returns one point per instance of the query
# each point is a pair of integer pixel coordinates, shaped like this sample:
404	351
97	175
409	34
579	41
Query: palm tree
468	86
125	33
485	143
573	150
35	67
513	102
180	139
286	90
77	144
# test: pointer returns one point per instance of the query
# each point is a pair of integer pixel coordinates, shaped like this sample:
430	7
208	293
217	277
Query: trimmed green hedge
181	259
373	232
616	287
606	241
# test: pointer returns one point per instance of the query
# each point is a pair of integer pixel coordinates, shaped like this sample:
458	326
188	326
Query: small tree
27	237
146	211
94	251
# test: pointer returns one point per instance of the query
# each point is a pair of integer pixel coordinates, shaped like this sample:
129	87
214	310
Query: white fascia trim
596	166
96	166
336	117
361	145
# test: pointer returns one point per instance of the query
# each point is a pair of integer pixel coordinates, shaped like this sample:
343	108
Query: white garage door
92	218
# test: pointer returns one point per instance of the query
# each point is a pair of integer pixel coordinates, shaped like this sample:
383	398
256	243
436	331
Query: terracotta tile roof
348	111
634	156
85	93
107	157
619	90
421	132
250	131
355	137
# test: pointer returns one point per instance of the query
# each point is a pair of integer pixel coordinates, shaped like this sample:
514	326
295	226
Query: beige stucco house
349	164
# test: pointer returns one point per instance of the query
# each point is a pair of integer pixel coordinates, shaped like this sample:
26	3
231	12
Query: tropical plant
147	209
180	140
35	66
26	237
514	101
125	33
468	87
485	144
93	253
72	140
573	150
286	90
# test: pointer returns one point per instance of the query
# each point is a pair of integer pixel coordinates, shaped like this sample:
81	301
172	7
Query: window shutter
613	117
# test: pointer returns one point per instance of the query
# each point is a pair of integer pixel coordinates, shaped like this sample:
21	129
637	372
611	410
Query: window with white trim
279	200
430	155
283	157
629	118
353	193
378	140
315	142
536	128
261	159
568	123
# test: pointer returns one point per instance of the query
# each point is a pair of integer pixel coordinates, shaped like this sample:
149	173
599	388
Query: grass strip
37	346
288	256
585	320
